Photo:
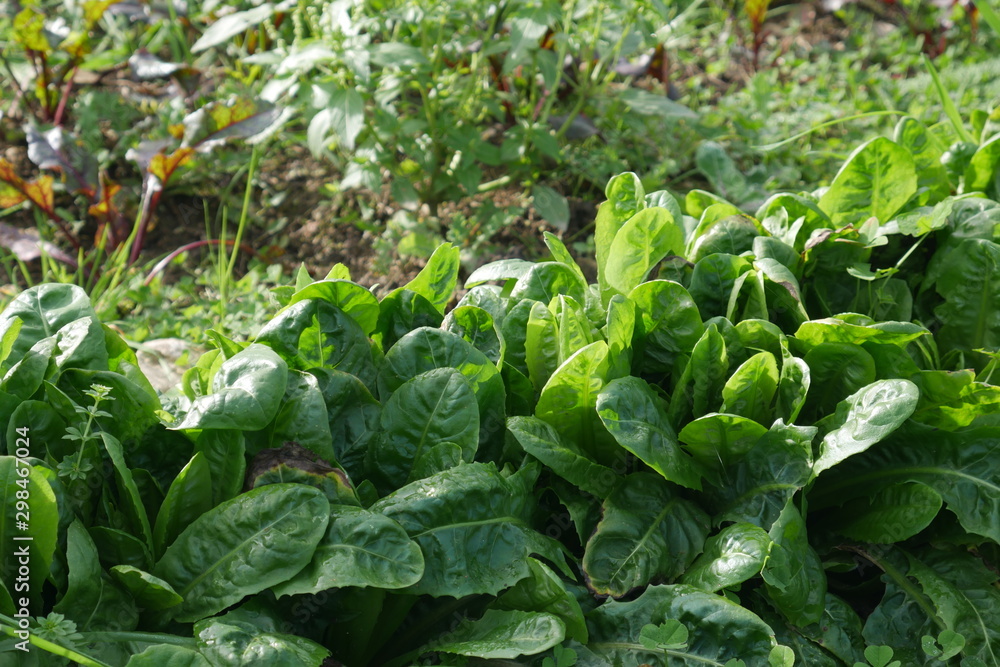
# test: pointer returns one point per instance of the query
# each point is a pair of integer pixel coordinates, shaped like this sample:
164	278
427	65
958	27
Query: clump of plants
754	440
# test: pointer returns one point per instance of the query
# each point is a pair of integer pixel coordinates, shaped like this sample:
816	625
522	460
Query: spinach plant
753	440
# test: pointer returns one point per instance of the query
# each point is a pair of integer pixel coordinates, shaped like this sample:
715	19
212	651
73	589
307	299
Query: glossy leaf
351	298
360	548
878	178
433	408
472	525
894	513
91	599
865	418
668	323
633	547
970	285
478	327
503	634
239	642
956	464
43	310
436	281
245	545
719	630
756	489
626	197
32	527
713	282
640	244
751	388
793	573
425	349
635	416
189	496
568	400
547	280
544	591
736	554
563	457
149	592
246	393
718	440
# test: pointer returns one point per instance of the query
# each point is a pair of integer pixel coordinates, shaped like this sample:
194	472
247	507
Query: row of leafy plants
754	440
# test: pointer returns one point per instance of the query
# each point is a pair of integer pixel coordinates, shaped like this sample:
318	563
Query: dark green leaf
633	547
793	573
736	554
503	634
564	457
243	546
667	324
635	416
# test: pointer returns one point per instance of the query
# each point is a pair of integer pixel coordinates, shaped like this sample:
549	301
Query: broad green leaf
243	546
713	283
620	333
313	333
718	440
425	349
878	178
436	281
837	370
401	312
970	286
838	330
780	215
959	465
547	280
29	520
168	655
626	197
354	418
478	327
515	332
865	418
433	408
541	345
733	235
246	393
793	384
892	514
563	457
561	254
751	388
351	298
544	591
668	323
640	244
239	642
756	489
574	331
302	418
963	592
736	554
360	548
80	344
634	546
699	389
473	527
926	150
149	592
224	452
981	170
189	496
43	310
502	634
635	416
11	328
504	269
130	501
231	25
697	203
133	411
719	630
793	573
568	399
91	599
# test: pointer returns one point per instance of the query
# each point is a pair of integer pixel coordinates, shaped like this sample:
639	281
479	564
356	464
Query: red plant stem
162	264
147	215
61	109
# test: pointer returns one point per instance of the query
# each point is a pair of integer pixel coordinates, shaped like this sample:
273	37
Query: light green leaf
878	178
